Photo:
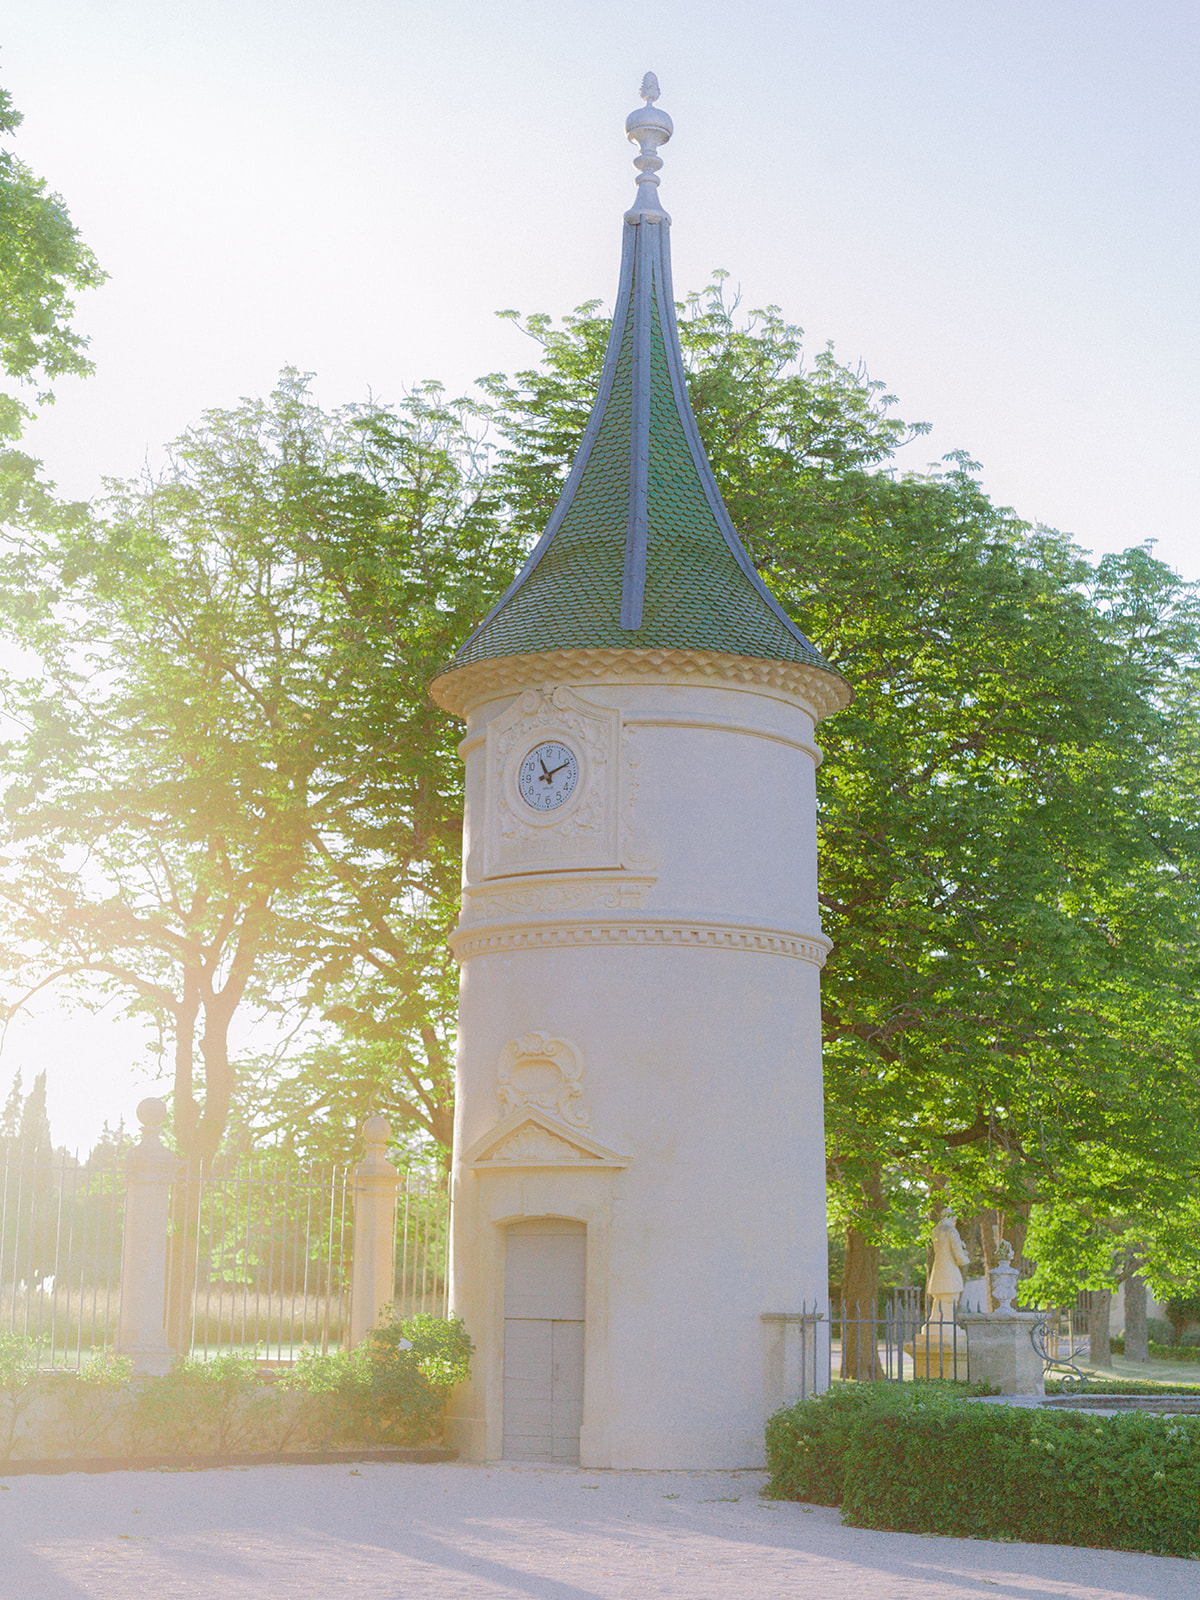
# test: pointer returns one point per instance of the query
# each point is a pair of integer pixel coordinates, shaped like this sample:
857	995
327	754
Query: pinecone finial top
648	128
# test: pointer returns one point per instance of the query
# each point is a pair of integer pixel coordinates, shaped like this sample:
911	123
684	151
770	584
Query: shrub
1182	1309
92	1403
1185	1351
405	1371
807	1442
1129	1482
391	1390
18	1387
203	1408
1123	1386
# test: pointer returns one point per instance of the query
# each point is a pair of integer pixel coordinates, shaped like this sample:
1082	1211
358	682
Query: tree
1008	843
230	790
43	261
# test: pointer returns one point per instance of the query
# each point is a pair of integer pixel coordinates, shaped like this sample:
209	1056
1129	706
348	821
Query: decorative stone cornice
505	900
526	935
458	691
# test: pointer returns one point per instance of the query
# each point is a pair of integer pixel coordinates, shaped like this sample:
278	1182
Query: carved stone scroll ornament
536	1070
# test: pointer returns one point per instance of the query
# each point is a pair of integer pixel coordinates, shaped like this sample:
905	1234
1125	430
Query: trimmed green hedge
1129	1482
1122	1386
807	1443
1161	1352
921	1459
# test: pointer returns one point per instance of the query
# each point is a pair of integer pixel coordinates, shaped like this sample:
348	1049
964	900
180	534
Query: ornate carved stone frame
582	833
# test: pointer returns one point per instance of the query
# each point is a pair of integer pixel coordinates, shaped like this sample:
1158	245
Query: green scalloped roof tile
696	594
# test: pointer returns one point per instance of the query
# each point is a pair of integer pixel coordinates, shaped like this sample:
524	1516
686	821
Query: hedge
391	1390
807	1442
921	1459
1162	1352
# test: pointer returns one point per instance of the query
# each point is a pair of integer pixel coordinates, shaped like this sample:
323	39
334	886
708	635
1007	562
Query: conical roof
640	552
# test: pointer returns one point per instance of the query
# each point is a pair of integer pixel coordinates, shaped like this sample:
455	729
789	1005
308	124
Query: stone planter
1003	1279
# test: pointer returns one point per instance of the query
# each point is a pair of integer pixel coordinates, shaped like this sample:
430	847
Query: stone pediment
530	1137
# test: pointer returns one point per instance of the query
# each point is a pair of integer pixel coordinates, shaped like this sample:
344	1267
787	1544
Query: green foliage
42	259
393	1389
229	720
232	727
1161	1352
920	1458
1181	1310
390	1391
1128	1386
807	1443
1128	1482
439	1347
18	1387
202	1408
92	1402
1008	827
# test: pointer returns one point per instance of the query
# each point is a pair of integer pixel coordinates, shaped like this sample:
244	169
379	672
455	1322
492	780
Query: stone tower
638	1151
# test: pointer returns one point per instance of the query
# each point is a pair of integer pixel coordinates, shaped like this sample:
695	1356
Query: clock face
548	776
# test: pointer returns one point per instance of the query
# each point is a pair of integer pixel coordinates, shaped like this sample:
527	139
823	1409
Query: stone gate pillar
151	1170
372	1281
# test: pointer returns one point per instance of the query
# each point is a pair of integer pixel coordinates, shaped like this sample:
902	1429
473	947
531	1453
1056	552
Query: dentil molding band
456	690
468	942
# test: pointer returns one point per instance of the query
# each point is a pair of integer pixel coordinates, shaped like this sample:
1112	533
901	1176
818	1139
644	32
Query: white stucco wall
683	982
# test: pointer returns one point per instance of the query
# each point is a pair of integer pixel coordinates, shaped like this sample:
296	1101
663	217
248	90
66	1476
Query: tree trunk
1099	1308
860	1294
1137	1338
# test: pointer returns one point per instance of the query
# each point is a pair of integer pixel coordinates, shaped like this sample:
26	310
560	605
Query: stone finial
151	1113
376	1131
648	128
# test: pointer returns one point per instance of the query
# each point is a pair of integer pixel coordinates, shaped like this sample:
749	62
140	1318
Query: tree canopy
43	262
1008	836
229	789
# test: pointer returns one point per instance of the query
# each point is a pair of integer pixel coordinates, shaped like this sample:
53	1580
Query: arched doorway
544	1278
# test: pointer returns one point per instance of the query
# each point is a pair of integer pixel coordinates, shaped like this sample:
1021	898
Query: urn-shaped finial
648	128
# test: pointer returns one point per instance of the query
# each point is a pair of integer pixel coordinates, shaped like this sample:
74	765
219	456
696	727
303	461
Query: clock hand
553	770
546	776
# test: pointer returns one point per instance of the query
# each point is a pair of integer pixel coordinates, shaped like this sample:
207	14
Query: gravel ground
383	1531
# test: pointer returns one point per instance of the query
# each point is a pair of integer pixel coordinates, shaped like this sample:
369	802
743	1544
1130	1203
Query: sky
994	208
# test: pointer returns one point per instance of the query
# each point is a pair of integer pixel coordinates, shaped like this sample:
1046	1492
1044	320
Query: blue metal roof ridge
700	461
590	434
706	609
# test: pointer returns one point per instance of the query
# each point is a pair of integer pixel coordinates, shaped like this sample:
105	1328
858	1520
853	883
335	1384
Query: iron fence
260	1251
421	1245
61	1227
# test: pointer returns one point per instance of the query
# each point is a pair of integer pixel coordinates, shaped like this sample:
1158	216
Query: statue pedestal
936	1353
1001	1350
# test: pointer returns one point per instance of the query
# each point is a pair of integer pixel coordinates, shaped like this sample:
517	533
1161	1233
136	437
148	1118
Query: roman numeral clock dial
548	776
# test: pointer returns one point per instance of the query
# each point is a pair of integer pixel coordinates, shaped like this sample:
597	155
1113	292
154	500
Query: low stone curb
277	1458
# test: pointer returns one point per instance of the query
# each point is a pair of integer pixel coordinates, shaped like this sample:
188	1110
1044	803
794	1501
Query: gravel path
453	1532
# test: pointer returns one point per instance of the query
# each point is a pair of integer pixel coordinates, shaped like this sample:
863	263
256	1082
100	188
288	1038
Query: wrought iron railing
259	1259
61	1225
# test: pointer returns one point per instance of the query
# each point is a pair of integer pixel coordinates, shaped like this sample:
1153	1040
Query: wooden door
545	1267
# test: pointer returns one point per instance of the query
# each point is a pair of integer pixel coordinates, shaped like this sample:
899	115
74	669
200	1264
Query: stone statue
945	1276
